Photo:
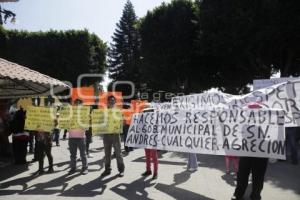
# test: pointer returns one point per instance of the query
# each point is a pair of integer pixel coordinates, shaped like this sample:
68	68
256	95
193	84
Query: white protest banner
285	96
161	106
203	101
238	132
263	83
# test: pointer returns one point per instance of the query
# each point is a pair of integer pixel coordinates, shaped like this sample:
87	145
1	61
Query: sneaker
154	176
235	198
72	171
235	176
192	169
121	174
147	173
105	173
84	171
90	156
57	145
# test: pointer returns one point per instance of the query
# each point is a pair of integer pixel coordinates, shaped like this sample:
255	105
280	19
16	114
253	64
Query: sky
97	16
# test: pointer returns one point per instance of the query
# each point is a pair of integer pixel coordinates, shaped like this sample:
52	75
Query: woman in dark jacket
20	137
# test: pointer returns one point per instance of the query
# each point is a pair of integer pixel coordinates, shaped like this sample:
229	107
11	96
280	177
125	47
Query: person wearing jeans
56	130
192	164
44	144
255	165
77	140
112	140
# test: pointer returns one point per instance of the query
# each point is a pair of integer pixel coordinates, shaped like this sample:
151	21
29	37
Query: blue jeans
109	141
79	143
192	161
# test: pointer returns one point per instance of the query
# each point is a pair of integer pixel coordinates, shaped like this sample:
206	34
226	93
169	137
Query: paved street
174	182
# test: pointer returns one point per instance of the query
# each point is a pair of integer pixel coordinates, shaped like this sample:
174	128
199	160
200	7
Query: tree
168	36
6	15
123	54
62	55
249	39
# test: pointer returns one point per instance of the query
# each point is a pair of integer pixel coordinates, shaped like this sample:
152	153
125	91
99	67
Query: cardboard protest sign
40	119
74	117
127	115
85	94
64	117
138	105
107	121
103	99
238	132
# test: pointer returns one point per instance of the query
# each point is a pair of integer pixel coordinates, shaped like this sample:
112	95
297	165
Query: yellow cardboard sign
74	117
40	119
107	121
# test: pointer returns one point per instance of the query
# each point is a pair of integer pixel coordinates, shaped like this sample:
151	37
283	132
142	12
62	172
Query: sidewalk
174	182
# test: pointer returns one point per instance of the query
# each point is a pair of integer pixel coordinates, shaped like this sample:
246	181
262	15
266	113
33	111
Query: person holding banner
109	140
255	165
151	155
56	130
43	146
77	140
19	136
235	161
291	137
89	140
192	164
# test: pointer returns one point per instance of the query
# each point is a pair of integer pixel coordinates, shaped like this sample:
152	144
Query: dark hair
111	97
77	101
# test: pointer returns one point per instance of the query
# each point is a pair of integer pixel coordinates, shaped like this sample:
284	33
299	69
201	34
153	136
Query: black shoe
147	173
41	172
154	176
50	170
105	173
84	171
121	174
295	162
57	144
72	171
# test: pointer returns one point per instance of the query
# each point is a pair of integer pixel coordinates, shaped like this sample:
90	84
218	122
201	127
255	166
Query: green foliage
249	40
62	55
219	43
123	54
168	34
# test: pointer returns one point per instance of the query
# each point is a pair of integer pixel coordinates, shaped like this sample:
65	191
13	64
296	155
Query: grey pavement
174	181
